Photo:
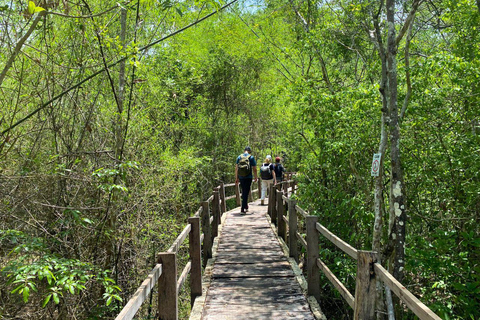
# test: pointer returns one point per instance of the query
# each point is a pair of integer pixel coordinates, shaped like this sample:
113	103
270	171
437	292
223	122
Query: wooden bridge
246	273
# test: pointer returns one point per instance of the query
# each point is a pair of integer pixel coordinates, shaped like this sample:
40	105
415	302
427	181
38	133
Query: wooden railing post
195	252
365	286
292	230
207	233
272	204
167	287
215	213
269	207
237	194
282	227
313	273
222	197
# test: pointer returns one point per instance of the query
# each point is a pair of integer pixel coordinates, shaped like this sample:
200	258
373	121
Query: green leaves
32	8
59	276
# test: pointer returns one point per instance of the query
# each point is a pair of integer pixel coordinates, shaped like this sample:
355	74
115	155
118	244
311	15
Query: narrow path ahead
251	278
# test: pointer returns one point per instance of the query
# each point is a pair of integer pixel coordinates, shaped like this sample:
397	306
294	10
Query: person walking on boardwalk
279	170
267	173
246	164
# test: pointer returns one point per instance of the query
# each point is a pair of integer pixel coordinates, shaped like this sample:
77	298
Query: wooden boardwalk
251	277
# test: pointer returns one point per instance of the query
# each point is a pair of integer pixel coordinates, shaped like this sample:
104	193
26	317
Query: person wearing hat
267	173
245	166
279	170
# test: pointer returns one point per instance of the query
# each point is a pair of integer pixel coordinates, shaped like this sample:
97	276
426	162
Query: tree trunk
397	197
121	90
379	201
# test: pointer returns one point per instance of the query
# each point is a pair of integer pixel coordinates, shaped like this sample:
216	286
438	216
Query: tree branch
408	22
407	73
148	46
19	45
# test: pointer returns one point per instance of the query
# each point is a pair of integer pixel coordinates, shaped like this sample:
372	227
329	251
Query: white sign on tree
376	164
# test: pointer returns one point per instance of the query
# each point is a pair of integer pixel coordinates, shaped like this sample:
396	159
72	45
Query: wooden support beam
167	287
313	274
282	228
272	204
237	194
250	194
222	198
365	287
207	231
215	213
292	230
195	253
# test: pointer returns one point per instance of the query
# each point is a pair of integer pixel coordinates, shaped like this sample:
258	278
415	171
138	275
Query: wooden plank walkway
251	277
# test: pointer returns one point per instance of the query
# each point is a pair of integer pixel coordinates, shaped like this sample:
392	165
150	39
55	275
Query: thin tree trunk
397	197
121	90
379	200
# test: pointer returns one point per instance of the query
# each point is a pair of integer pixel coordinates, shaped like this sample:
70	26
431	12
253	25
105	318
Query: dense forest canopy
117	119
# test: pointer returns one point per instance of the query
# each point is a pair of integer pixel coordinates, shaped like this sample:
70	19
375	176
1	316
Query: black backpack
266	172
244	168
279	170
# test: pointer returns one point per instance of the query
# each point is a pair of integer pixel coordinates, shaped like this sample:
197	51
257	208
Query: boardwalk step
276	269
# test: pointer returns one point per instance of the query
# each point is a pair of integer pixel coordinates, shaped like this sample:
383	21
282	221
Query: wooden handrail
301	211
342	245
198	212
230	197
183	276
363	302
421	310
165	272
337	283
178	242
128	312
302	241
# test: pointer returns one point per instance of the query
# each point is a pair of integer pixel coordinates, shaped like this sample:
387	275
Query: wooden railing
284	213
201	230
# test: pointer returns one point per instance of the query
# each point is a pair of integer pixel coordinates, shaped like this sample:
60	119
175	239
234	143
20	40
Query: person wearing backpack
267	173
246	165
279	170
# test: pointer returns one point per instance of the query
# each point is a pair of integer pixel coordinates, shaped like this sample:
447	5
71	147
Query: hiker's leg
245	191
264	189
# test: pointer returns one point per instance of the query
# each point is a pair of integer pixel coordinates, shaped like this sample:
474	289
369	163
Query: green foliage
31	267
73	207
